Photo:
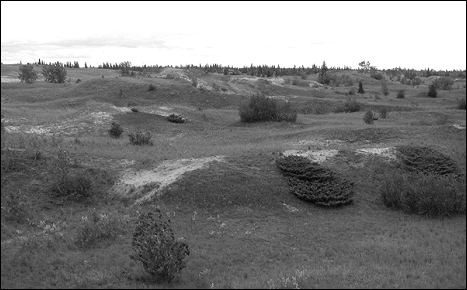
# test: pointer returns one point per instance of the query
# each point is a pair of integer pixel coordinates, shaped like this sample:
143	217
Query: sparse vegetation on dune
400	181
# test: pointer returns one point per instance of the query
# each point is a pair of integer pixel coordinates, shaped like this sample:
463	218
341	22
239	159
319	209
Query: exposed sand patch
460	127
319	142
146	184
318	156
389	152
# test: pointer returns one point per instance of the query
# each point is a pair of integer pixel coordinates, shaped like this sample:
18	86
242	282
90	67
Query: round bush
115	130
155	246
315	183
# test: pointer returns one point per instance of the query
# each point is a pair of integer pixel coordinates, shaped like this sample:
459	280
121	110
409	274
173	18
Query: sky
387	34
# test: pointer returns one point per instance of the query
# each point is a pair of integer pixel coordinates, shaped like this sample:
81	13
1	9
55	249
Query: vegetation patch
315	183
425	160
426	194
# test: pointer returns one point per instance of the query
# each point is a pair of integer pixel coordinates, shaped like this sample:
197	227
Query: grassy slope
251	239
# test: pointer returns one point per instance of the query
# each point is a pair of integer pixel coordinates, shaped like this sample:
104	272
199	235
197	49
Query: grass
235	215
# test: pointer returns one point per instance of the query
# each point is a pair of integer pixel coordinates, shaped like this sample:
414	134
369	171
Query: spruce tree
360	88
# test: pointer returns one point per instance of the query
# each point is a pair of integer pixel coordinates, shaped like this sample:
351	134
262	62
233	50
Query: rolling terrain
217	180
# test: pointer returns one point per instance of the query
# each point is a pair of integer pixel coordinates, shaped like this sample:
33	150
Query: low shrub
383	112
261	108
431	194
348	106
400	94
368	117
140	138
312	182
426	160
432	93
360	88
97	227
74	186
443	83
384	88
151	87
154	245
461	104
352	91
14	207
115	130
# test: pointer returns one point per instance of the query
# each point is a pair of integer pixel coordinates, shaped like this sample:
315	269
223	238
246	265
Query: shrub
98	227
314	183
154	245
14	207
54	73
140	138
368	117
352	91
384	88
461	104
432	93
400	94
443	83
115	130
360	88
349	106
27	74
426	160
383	113
261	108
73	186
431	195
78	80
151	87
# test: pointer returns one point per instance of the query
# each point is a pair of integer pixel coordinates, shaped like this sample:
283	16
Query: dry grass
232	214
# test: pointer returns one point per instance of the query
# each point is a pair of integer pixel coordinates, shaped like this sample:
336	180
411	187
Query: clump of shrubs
430	194
369	117
27	74
97	227
432	93
461	104
115	130
443	83
74	186
349	106
314	183
140	138
400	94
383	112
261	109
155	246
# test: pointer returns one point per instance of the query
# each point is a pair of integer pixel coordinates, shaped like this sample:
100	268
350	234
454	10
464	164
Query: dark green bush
261	108
426	160
461	104
314	183
54	73
115	130
154	245
432	93
368	117
383	112
431	194
27	74
443	83
348	106
97	227
360	88
400	94
140	138
77	186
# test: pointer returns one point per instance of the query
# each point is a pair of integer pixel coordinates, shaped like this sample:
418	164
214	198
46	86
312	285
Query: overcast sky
387	34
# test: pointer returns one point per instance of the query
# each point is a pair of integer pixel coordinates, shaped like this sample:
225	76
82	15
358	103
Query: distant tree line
277	71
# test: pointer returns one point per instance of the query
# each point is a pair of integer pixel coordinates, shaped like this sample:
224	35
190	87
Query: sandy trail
146	184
